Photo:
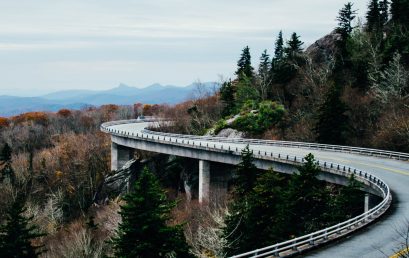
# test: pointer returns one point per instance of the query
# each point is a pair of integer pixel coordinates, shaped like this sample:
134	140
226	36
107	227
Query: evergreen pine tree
345	18
304	200
332	121
279	47
227	96
294	45
143	231
264	75
6	152
246	173
282	66
349	202
384	12
244	65
400	12
265	200
252	223
277	62
16	234
373	16
237	225
5	164
264	67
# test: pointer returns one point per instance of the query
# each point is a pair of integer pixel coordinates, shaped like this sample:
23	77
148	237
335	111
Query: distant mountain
126	95
10	106
120	95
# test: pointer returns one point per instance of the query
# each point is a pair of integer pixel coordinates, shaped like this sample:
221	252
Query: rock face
230	133
324	48
120	182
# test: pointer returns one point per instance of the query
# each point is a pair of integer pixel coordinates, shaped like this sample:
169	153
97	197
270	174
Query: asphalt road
380	239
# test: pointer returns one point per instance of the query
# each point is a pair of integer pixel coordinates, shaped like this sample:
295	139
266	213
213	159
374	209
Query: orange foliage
64	113
109	108
36	117
4	122
147	110
86	121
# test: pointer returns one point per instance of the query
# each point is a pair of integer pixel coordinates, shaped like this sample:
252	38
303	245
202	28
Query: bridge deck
376	240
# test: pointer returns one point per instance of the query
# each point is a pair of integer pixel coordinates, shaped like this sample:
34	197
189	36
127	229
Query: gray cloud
51	45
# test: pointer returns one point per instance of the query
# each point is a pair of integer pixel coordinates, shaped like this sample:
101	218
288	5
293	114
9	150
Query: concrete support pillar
204	181
119	156
114	156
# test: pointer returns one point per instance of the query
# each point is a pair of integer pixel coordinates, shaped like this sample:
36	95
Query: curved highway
380	239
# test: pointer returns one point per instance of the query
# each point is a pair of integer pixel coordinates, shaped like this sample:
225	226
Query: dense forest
350	87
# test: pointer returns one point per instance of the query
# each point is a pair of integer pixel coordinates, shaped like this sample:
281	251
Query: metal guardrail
328	147
293	245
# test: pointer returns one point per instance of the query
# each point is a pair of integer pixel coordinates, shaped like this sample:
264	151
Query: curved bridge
378	170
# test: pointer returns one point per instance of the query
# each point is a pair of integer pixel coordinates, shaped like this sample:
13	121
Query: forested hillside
350	87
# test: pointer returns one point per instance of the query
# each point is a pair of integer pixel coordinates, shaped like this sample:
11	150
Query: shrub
220	125
269	113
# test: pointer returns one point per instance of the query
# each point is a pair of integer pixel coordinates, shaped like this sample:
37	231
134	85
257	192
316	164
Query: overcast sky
50	45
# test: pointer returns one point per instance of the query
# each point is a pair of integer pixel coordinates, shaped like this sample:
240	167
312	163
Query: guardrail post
294	246
311	242
366	207
276	253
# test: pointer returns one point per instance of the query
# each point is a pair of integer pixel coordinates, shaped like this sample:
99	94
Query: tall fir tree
143	231
244	68
400	12
373	17
282	68
253	224
6	170
237	222
279	47
264	75
304	200
265	200
349	202
345	17
384	12
294	47
227	96
264	66
246	173
332	124
17	233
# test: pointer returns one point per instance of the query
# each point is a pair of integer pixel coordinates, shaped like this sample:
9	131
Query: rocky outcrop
325	48
230	133
120	182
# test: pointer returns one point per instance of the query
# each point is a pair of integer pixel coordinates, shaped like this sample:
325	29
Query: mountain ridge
119	95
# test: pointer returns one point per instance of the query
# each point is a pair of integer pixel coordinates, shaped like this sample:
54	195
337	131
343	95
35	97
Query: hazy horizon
48	46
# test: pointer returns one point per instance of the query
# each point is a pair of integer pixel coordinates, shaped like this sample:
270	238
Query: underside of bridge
122	150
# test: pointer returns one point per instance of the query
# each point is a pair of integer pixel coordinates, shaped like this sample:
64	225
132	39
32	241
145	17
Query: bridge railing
293	245
318	146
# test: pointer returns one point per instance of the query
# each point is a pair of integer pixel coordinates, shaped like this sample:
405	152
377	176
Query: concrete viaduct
378	170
